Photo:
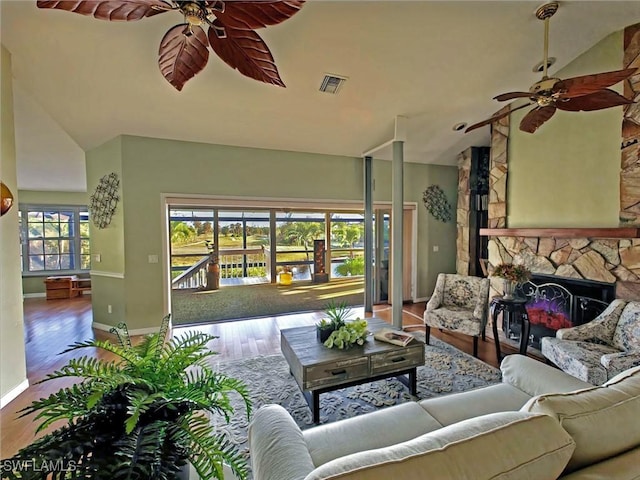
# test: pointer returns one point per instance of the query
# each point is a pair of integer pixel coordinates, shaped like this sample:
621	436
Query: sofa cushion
621	467
535	378
603	421
377	429
449	409
487	447
278	450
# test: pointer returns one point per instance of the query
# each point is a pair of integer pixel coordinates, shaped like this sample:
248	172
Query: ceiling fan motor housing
542	91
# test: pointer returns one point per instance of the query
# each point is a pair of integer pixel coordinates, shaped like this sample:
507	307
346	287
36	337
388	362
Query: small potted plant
285	276
512	275
337	314
142	416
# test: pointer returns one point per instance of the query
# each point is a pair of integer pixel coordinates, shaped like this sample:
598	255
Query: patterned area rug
446	370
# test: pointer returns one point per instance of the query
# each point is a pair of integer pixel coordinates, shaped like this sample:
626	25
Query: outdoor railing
234	263
194	277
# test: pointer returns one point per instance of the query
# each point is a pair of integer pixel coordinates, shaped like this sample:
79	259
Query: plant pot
213	276
508	289
285	278
323	334
187	472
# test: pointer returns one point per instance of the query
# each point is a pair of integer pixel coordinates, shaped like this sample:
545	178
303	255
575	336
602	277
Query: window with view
54	239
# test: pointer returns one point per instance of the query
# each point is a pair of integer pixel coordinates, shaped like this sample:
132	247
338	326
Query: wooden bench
66	286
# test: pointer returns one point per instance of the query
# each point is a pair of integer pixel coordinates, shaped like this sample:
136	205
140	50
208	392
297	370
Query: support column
273	245
368	235
396	232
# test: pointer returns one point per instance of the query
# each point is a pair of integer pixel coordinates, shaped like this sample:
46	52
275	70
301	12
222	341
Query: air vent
332	83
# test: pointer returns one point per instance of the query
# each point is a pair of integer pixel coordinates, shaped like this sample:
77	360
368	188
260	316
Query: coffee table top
309	351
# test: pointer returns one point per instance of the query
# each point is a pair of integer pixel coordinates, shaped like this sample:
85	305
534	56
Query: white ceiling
79	81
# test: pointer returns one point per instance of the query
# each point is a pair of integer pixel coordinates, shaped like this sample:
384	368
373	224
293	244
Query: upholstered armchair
598	350
459	304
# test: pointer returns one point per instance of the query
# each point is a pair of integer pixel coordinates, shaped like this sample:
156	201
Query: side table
515	306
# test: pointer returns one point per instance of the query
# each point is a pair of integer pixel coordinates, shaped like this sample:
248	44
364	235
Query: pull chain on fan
584	93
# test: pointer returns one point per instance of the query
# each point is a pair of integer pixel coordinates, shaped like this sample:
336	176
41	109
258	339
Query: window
54	239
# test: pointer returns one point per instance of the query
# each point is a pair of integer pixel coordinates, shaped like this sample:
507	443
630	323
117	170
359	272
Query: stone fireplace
608	260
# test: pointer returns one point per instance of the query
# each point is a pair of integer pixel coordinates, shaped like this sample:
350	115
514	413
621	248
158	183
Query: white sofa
539	423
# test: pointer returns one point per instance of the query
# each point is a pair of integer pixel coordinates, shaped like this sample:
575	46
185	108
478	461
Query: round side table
516	307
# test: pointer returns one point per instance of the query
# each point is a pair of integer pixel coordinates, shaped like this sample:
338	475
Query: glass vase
508	289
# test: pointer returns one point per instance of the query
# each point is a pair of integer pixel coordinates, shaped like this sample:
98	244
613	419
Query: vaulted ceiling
79	81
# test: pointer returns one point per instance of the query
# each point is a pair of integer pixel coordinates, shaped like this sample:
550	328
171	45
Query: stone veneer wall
603	260
630	174
498	172
463	212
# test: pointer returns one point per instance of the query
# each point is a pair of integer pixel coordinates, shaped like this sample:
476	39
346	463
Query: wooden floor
50	326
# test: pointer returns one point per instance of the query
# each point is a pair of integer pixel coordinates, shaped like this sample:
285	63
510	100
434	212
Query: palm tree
181	232
303	233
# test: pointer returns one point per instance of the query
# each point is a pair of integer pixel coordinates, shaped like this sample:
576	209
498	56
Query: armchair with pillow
597	351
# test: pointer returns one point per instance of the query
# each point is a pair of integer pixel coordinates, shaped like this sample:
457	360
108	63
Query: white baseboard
34	295
421	299
4	401
137	331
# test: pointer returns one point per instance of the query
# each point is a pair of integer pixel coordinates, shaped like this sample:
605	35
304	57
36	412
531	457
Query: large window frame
54	239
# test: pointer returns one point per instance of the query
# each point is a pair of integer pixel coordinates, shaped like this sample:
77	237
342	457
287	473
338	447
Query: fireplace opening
558	302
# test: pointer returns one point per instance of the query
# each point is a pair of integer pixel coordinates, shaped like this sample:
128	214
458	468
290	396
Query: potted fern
142	416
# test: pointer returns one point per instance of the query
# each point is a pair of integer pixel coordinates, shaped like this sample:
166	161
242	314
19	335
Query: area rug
189	306
446	370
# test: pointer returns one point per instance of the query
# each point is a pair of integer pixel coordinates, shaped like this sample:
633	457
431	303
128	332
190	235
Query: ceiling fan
184	49
586	93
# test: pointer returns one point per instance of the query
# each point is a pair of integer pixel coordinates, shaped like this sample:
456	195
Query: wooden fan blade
492	119
110	9
245	51
512	95
183	53
247	15
536	117
595	101
588	84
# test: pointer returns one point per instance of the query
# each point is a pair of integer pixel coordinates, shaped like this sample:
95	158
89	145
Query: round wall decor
436	203
104	200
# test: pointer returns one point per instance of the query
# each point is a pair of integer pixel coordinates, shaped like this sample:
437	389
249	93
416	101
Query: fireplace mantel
628	232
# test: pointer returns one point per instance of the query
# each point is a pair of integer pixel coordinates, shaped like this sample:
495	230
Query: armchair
597	351
458	303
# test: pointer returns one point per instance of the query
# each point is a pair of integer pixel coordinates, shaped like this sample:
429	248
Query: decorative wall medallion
436	203
104	200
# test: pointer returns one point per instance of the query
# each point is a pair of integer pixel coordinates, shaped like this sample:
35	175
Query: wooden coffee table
318	369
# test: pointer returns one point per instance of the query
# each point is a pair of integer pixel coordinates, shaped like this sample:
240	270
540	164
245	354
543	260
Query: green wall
34	284
13	369
567	174
108	274
151	167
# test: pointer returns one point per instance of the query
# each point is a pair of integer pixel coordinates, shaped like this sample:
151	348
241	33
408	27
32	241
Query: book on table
397	337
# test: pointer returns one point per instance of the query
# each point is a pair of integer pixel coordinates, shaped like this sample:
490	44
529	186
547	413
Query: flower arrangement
337	314
512	272
348	335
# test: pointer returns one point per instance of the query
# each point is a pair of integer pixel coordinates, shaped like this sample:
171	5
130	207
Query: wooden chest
60	287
